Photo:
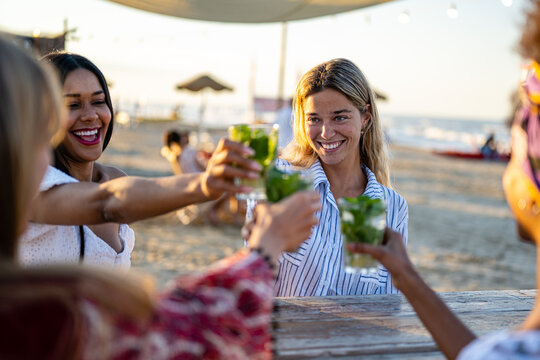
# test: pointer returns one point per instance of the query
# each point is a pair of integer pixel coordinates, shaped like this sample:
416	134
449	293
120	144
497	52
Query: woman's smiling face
333	127
88	116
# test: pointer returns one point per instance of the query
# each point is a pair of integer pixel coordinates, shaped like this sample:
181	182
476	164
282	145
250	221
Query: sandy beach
461	232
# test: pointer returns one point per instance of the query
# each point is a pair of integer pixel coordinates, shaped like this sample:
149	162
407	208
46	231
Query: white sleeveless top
55	244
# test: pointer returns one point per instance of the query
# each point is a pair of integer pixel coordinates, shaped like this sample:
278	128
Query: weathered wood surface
385	326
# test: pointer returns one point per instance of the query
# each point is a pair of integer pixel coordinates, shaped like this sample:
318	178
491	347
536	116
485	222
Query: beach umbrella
203	83
252	11
249	11
380	96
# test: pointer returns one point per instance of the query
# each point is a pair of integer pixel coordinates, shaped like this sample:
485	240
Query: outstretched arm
225	311
128	199
450	334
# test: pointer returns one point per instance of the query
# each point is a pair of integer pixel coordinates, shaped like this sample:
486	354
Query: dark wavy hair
65	63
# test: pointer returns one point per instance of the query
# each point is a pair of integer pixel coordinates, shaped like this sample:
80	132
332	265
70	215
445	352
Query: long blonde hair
344	76
30	115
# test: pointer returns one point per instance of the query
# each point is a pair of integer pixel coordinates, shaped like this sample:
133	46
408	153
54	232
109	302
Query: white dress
55	244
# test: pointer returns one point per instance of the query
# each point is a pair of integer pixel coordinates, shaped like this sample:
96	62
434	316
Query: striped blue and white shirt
316	268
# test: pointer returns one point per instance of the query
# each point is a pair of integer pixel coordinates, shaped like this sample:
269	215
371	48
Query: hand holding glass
262	138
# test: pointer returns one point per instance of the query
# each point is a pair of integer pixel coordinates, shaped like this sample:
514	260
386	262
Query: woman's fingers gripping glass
228	161
290	221
392	254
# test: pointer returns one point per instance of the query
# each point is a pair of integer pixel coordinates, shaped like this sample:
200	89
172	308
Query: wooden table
385	326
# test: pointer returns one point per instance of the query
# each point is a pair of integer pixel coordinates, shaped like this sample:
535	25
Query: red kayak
472	156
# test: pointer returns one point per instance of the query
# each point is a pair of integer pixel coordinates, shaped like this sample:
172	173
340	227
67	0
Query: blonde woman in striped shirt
338	136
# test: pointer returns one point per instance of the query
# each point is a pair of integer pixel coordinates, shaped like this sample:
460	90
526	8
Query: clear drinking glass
263	139
362	220
284	180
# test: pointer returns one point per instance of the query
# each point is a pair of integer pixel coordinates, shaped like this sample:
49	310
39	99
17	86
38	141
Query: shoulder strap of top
81	236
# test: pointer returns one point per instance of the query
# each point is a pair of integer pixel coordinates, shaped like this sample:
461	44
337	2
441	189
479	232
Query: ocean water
436	133
431	133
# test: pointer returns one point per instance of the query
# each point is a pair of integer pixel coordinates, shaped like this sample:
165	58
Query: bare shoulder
104	173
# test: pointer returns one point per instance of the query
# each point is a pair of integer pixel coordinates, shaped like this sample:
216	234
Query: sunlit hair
65	63
344	76
30	114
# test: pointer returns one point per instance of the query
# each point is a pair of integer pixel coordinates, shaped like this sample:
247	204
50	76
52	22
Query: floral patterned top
222	313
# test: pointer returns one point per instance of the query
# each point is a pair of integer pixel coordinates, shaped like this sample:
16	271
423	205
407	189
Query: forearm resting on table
450	334
122	200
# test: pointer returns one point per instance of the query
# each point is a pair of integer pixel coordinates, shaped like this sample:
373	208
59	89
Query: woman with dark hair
89	129
66	64
83	207
73	312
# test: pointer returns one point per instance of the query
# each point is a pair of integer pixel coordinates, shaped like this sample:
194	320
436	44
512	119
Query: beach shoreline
461	232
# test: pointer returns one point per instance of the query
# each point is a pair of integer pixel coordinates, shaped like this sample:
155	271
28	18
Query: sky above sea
434	65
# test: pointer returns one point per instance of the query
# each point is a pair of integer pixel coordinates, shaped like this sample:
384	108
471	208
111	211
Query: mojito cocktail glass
263	139
284	180
362	220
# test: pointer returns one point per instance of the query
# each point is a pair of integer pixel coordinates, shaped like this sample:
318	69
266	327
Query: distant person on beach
185	159
73	312
489	149
338	136
83	207
521	182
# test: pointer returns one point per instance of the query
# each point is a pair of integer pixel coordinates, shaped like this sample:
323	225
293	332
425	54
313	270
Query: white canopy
248	11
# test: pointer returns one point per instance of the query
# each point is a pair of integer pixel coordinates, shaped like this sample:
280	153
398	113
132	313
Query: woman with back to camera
83	206
521	182
71	312
338	136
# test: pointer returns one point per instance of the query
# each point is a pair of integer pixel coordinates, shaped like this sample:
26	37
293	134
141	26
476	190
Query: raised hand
283	226
228	161
392	254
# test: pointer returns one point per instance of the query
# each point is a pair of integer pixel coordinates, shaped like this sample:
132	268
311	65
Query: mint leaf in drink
241	133
280	184
259	143
264	144
272	147
362	219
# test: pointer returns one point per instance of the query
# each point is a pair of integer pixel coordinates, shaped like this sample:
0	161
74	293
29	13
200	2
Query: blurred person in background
284	118
185	159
